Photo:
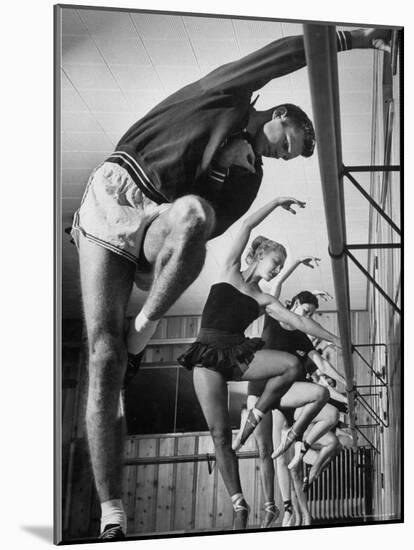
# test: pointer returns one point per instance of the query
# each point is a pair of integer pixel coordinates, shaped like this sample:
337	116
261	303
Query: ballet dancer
222	352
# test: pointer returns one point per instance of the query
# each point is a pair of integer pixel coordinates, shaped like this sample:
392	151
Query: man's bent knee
192	214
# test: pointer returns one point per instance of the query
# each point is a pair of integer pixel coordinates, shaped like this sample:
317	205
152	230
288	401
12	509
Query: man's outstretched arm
282	57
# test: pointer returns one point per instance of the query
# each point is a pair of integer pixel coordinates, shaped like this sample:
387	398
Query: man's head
286	134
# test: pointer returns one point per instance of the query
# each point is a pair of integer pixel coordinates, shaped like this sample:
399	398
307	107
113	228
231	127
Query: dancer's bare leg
211	391
312	398
324	421
279	369
302	500
280	424
263	436
175	246
330	444
296	508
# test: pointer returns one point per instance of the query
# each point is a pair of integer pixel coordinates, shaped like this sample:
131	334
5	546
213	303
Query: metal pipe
320	48
374	168
373	203
182	458
372	246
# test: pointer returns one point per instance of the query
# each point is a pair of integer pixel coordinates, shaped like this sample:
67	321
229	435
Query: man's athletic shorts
114	213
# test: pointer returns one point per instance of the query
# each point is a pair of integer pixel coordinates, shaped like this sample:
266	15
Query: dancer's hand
287	202
307	260
322	294
379	39
237	152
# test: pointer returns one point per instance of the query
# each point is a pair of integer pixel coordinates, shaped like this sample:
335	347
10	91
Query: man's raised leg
106	281
175	245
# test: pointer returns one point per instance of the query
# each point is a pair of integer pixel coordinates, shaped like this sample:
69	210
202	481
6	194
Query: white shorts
114	212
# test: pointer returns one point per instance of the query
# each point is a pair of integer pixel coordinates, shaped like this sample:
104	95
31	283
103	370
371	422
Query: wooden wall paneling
130	482
184	480
174	327
161	331
205	487
191	326
147	478
165	487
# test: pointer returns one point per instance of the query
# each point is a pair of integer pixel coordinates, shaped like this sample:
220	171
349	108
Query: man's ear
280	112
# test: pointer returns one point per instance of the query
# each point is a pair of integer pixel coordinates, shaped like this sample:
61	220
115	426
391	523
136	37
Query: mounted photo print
228	274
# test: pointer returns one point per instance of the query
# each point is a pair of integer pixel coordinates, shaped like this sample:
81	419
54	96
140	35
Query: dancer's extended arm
233	258
308	326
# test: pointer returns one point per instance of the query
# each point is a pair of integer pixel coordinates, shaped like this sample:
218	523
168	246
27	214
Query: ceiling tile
106	100
208	28
159	26
79	122
72	102
75	176
247	30
85	141
83	160
206	51
71	22
174	77
115	123
355	79
137	77
129	51
113	24
91	77
166	52
80	50
292	29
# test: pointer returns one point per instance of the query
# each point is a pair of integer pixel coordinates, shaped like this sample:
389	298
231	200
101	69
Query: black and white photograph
228	292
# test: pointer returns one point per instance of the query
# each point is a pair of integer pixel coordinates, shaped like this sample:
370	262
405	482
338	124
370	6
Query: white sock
140	333
113	512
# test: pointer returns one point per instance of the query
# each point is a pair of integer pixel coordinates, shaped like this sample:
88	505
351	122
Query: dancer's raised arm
288	269
233	258
304	324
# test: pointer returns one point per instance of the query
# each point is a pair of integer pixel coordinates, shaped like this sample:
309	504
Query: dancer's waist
219	337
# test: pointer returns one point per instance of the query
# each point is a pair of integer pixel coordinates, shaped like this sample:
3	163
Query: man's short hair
301	120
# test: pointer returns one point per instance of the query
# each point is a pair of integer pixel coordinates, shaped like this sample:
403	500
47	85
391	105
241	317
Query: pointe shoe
272	514
288	519
236	445
306	520
297	457
249	425
241	515
288	438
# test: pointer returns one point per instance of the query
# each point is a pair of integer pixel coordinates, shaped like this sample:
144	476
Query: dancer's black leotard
221	344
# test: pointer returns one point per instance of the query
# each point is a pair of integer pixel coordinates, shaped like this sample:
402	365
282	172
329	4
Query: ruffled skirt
228	354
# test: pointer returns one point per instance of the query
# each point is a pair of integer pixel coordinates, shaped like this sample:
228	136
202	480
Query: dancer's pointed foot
252	420
272	513
301	448
241	514
288	438
237	441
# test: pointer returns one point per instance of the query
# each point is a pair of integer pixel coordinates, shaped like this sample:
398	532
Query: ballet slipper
288	438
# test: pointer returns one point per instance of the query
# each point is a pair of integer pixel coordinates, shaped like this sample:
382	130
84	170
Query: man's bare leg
175	246
106	281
